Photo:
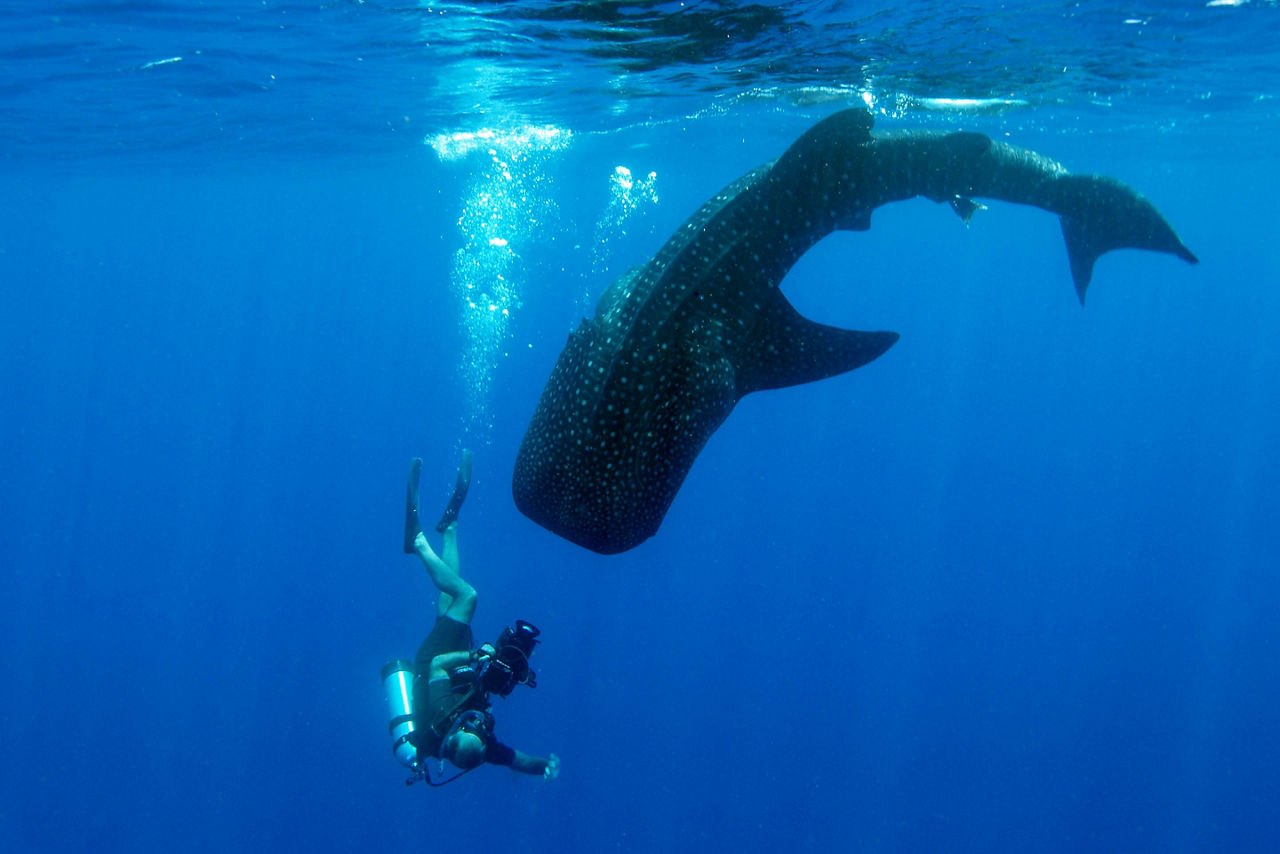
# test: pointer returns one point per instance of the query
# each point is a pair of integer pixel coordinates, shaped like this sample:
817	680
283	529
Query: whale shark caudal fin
674	344
789	349
1110	216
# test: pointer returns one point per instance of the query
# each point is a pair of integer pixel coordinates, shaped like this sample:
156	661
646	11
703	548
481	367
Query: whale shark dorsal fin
789	349
838	131
967	143
849	126
617	294
857	122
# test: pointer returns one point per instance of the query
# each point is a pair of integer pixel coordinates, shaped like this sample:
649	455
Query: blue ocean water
1013	586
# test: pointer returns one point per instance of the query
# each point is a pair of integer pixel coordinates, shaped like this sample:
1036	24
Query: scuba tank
397	681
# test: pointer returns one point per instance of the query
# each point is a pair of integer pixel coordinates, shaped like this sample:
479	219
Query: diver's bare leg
457	597
449	550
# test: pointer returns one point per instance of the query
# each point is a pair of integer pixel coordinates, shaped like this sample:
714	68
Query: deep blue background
1011	587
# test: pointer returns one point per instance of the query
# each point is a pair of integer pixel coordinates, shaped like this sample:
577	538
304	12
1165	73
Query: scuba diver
440	703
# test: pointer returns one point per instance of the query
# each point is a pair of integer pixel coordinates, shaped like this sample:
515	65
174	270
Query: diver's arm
526	764
446	661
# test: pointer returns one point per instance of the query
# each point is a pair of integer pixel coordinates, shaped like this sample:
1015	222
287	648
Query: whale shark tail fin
1110	215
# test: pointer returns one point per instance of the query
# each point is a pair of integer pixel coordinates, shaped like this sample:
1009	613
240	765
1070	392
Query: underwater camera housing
508	667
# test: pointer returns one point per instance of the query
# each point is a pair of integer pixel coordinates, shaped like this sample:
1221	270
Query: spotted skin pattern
676	343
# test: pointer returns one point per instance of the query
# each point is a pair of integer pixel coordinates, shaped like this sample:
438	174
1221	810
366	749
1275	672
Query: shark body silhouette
676	343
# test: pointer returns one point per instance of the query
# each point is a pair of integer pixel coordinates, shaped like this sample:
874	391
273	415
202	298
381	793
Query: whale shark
675	343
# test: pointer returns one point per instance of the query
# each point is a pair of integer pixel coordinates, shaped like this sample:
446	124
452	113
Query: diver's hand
553	768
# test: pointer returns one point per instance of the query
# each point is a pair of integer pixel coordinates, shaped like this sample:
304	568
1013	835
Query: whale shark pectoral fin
789	349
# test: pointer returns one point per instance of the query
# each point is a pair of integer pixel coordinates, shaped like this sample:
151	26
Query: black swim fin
411	526
459	493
